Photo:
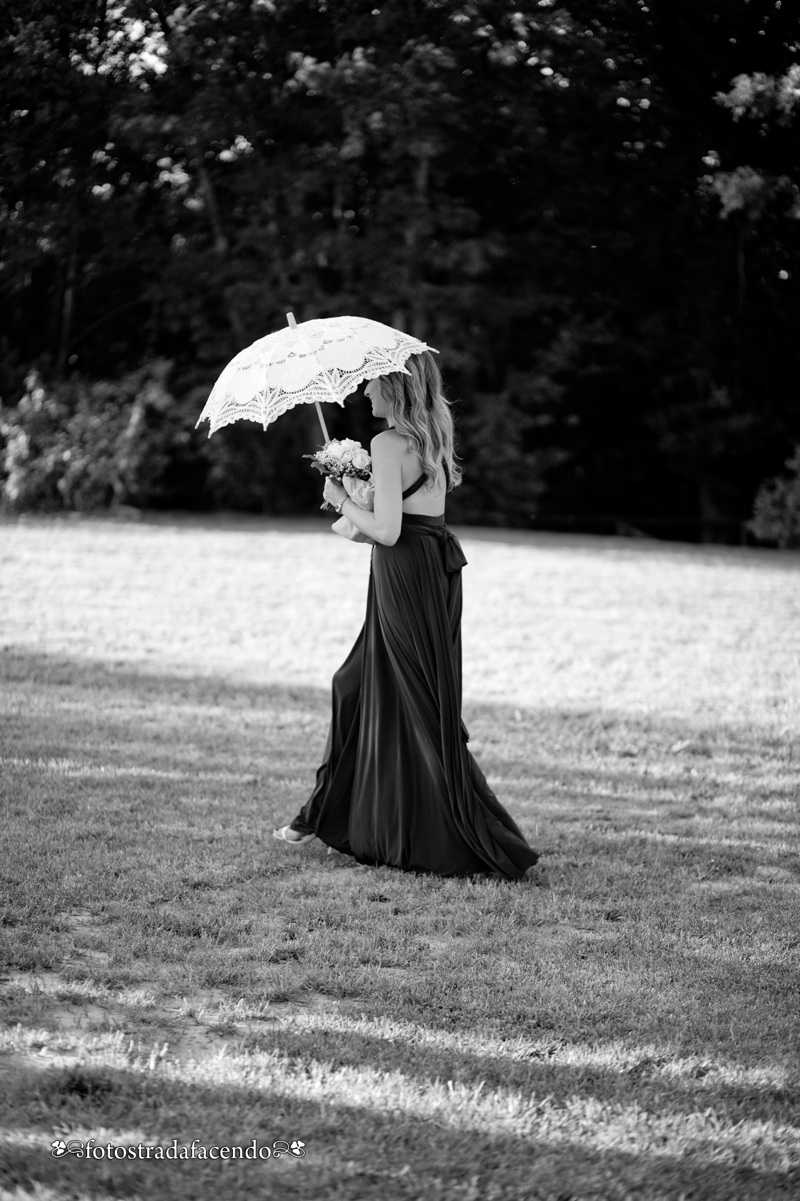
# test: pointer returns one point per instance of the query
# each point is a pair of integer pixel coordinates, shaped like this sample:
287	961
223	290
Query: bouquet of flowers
346	461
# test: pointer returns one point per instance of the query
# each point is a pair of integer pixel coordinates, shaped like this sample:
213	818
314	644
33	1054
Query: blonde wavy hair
418	410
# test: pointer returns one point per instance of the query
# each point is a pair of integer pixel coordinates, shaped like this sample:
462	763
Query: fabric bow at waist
452	555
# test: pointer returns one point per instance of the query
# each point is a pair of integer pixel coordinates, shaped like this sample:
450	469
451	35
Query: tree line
591	207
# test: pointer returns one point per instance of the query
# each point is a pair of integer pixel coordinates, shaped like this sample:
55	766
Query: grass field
624	1025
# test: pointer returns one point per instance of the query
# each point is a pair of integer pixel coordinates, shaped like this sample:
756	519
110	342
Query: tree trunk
737	380
414	236
221	246
68	305
713	521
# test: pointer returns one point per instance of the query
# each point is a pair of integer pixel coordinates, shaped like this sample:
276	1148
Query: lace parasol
320	360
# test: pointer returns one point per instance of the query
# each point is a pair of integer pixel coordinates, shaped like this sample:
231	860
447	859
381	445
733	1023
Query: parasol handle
322	422
326	436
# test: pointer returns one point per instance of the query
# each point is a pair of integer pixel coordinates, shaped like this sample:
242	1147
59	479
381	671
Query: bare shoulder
389	445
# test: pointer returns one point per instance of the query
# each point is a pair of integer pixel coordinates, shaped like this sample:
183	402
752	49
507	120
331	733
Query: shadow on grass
592	781
206	760
614	740
535	1067
146	800
352	1151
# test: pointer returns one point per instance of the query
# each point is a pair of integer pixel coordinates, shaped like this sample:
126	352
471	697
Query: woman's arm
382	525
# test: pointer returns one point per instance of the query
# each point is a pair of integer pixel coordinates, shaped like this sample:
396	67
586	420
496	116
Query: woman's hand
333	493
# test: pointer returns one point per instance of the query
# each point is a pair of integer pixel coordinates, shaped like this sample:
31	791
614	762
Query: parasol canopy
324	359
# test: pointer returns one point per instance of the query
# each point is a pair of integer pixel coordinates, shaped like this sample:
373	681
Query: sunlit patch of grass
172	972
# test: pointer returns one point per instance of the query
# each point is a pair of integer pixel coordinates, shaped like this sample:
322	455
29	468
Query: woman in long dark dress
398	785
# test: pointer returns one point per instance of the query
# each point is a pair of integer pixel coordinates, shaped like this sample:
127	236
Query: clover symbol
296	1147
59	1147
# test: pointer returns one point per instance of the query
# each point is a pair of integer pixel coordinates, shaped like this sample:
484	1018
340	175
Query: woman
398	785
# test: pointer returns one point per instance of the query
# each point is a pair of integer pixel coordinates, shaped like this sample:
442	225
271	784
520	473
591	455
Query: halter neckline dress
398	784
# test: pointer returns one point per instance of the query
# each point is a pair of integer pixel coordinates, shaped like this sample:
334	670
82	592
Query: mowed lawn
623	1025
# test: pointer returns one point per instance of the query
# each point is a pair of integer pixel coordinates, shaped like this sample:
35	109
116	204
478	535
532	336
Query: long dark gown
398	785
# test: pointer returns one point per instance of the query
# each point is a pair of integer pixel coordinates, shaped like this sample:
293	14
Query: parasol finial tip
291	320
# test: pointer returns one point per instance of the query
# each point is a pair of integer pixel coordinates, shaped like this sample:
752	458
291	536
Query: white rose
334	450
360	459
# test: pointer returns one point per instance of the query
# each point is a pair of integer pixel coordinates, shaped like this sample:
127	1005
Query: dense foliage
776	513
590	207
